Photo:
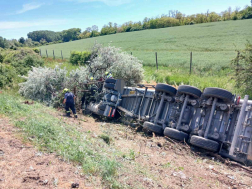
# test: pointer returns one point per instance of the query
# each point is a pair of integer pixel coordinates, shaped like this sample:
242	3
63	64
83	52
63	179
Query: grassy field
213	44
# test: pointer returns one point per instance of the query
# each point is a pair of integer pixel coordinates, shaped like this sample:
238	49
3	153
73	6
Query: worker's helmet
91	78
66	90
106	73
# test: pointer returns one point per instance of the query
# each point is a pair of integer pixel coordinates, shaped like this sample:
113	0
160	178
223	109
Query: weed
167	165
132	155
106	138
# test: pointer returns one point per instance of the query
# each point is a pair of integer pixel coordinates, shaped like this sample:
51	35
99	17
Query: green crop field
212	44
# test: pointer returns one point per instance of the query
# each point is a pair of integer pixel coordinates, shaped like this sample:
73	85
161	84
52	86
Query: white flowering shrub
44	84
120	64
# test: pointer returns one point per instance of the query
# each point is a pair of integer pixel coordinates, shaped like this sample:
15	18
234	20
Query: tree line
173	18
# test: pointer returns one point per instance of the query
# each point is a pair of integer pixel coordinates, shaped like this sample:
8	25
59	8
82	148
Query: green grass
178	76
212	44
54	135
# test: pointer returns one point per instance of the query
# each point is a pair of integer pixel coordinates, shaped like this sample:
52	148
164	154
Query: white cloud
107	2
17	25
29	6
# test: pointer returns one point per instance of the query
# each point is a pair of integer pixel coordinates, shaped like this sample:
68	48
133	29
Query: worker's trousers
70	106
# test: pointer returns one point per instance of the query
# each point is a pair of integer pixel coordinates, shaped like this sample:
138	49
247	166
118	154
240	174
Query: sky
19	17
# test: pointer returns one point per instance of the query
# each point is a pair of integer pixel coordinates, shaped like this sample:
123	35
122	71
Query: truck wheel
110	80
189	90
204	143
175	134
152	127
109	86
222	94
166	88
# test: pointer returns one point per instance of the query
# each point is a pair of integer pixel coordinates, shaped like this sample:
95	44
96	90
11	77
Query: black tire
204	143
109	86
222	94
175	134
152	127
110	80
102	107
166	88
189	90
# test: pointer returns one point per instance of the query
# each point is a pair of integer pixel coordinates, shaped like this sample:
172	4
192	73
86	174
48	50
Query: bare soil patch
22	166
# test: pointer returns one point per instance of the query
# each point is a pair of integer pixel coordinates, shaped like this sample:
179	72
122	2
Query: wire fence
189	61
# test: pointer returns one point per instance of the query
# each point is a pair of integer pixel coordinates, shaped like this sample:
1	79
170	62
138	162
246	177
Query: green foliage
70	34
36	50
242	65
24	65
21	40
46	35
7	75
4	43
106	138
246	13
79	58
17	62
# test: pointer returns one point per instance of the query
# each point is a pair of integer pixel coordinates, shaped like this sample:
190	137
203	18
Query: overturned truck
215	119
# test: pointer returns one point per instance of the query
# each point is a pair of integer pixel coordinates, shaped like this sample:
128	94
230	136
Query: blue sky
18	17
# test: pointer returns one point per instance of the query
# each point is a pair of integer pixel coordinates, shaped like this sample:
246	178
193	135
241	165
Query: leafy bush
36	50
23	66
81	58
7	75
242	65
22	60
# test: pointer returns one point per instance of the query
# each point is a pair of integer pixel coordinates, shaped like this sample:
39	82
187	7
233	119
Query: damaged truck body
213	119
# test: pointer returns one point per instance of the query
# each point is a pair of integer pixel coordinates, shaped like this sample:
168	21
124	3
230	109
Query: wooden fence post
156	61
53	55
40	52
61	55
46	53
190	63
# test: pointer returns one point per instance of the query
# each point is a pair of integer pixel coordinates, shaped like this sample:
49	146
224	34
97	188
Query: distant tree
4	43
71	34
43	41
49	36
89	29
28	42
95	28
21	40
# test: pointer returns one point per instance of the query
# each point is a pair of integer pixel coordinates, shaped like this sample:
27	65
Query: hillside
211	43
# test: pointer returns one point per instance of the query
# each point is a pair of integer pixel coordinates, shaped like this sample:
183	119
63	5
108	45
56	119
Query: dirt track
157	162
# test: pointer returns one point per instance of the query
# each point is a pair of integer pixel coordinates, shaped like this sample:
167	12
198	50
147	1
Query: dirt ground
154	162
23	167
